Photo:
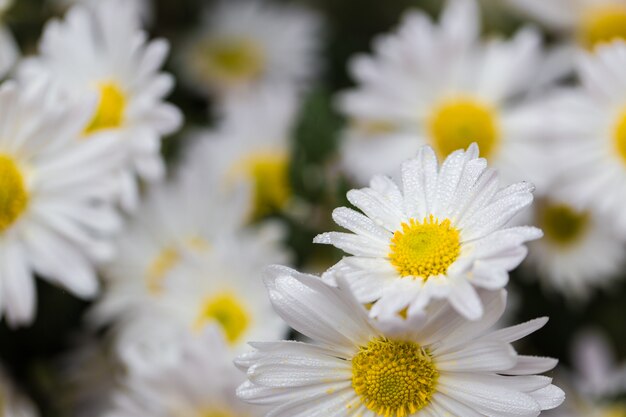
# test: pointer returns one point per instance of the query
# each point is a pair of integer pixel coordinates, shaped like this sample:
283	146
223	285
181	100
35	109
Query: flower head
358	366
438	235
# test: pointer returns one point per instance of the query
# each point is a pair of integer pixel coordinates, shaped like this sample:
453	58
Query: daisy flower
437	84
591	22
252	147
201	383
580	250
593	121
243	44
53	223
440	234
190	259
362	367
102	52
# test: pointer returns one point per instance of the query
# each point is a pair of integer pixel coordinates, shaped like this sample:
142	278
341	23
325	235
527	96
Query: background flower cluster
157	155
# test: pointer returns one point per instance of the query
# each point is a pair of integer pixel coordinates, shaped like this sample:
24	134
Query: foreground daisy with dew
365	367
440	234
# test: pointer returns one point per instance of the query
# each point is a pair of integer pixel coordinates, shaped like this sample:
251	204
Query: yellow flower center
228	312
456	123
602	24
269	175
393	378
231	60
111	109
13	192
166	260
617	410
619	136
216	413
424	249
562	224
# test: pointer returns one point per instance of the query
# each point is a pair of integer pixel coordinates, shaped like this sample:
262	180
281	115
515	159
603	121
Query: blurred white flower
438	84
580	251
363	367
252	146
439	235
590	122
590	22
246	43
55	192
187	260
200	383
597	381
13	403
102	52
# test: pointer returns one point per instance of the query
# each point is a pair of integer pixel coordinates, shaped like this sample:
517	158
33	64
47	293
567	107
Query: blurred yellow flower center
166	260
456	123
619	136
13	192
269	175
618	410
562	224
424	249
393	378
231	60
228	312
602	24
216	413
111	109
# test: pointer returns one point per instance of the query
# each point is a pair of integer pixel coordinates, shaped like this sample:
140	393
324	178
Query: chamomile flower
101	51
438	84
252	147
246	43
591	22
190	255
200	383
14	403
439	235
580	251
53	222
358	366
592	120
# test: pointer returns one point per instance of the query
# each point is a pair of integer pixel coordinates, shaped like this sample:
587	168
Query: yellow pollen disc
393	378
602	24
230	60
111	109
617	410
158	269
167	259
228	312
13	192
562	224
269	175
619	136
424	249
216	413
456	123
